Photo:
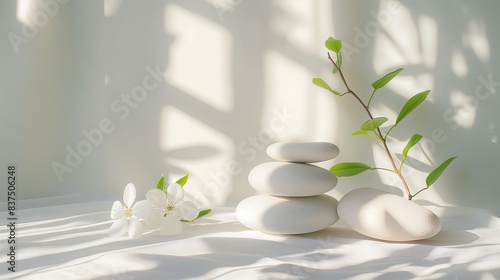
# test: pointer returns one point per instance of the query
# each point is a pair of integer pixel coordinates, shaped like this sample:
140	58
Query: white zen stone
386	216
303	151
291	179
287	215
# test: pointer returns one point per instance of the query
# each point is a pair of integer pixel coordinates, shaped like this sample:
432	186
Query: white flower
169	209
127	216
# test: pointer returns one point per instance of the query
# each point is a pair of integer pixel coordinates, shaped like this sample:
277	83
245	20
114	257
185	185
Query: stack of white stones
293	199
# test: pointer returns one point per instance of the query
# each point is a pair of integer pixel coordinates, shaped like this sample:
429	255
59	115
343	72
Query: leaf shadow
415	163
193	152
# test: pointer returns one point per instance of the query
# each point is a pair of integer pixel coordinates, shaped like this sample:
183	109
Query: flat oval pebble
386	216
287	215
306	152
291	179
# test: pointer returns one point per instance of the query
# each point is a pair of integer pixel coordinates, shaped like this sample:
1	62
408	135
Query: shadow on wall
448	48
137	90
54	78
207	103
117	105
80	93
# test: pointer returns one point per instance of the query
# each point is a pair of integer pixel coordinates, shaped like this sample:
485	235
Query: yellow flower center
127	212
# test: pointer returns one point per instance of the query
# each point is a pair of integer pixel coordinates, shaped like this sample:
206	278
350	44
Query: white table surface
70	242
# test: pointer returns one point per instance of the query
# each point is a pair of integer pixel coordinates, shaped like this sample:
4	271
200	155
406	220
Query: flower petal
187	210
175	193
134	228
117	210
171	225
141	209
157	198
118	228
155	217
129	195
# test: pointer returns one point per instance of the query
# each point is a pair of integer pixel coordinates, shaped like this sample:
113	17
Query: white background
236	77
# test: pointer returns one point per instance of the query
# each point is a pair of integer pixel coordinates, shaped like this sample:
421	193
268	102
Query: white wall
450	49
236	76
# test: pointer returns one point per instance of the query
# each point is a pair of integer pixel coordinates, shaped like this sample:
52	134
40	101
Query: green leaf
182	181
347	169
339	59
386	79
161	183
202	213
320	83
434	175
373	124
338	62
333	44
411	104
412	142
360	132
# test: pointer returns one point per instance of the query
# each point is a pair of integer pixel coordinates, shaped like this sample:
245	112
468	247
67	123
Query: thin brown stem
396	170
377	130
349	90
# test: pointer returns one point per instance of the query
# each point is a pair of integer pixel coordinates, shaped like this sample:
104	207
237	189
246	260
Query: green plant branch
349	90
385	169
377	130
421	190
389	131
401	165
371	97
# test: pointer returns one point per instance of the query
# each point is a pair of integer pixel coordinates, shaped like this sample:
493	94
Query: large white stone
291	179
303	151
287	215
386	216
